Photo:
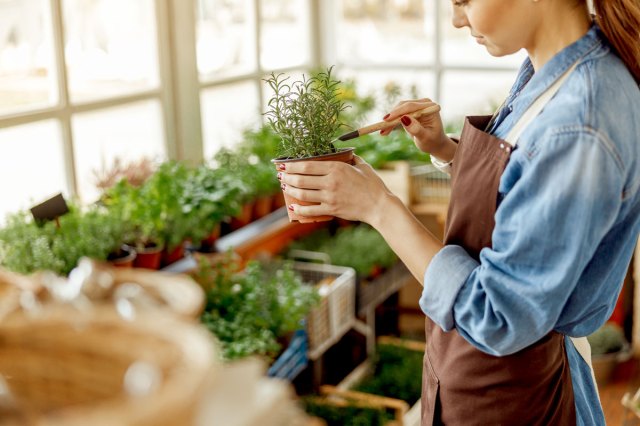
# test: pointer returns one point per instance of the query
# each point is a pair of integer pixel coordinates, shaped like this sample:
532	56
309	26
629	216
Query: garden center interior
149	271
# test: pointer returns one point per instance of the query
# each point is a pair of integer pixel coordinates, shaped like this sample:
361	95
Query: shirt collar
529	85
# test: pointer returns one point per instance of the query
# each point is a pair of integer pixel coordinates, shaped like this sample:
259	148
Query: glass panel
473	93
226	112
128	133
110	47
460	48
27	70
388	88
381	31
285	36
226	41
32	166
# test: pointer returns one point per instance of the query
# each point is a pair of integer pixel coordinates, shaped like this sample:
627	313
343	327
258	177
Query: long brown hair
620	22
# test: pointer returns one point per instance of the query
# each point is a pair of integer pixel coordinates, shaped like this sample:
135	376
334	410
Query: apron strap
535	108
584	349
580	343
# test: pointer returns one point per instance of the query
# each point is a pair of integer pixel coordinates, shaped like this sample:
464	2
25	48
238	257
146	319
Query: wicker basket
69	367
429	184
335	314
175	293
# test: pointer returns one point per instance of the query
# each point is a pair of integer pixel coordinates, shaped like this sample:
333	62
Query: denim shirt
567	221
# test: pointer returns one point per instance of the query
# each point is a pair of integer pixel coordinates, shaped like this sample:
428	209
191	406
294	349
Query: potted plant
306	115
211	195
608	348
27	247
250	310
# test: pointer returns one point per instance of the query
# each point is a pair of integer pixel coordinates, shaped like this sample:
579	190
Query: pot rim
288	159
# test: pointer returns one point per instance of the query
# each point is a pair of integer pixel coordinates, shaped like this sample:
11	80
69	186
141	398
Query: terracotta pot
207	245
262	207
123	258
243	218
148	257
344	154
169	257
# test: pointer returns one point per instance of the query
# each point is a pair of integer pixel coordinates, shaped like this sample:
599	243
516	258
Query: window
79	85
238	43
83	82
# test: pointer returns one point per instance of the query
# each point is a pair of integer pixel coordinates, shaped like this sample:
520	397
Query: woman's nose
459	19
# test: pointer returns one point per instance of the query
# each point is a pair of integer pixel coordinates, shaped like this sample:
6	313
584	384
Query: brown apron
462	385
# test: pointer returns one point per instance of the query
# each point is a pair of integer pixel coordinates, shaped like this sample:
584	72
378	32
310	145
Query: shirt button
501	146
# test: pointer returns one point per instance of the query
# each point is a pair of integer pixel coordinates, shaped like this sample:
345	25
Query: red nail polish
283	186
281	166
386	116
279	175
290	207
405	120
382	132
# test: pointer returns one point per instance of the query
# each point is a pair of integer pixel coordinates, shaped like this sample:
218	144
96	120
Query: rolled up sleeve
445	276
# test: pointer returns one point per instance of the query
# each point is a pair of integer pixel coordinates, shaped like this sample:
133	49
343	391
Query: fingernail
405	120
290	207
281	166
279	175
382	132
386	116
283	186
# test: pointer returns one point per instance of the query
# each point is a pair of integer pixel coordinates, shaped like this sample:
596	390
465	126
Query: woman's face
502	26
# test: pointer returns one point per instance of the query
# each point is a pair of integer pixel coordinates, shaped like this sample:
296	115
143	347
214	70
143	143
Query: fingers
313	168
413	127
407	107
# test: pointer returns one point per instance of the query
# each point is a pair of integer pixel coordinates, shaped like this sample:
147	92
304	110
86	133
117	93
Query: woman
543	220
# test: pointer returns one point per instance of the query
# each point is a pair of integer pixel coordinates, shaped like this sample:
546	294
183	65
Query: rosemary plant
305	113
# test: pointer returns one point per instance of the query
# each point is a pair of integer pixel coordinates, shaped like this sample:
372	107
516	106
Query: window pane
381	31
127	132
32	165
389	87
226	112
27	70
285	33
473	93
110	47
226	41
460	48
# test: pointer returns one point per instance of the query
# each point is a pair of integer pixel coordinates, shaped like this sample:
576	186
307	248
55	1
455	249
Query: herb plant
249	310
305	113
607	339
360	247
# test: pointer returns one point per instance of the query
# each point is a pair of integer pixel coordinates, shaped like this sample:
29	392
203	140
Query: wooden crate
396	175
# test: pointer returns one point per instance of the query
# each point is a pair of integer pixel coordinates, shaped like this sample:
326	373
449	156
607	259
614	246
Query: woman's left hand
350	192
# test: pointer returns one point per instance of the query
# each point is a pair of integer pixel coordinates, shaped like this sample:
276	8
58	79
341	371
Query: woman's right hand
427	130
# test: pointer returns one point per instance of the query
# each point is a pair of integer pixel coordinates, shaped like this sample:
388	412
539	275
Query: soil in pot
123	257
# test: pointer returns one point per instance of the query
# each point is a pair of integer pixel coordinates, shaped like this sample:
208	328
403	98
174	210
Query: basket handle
310	255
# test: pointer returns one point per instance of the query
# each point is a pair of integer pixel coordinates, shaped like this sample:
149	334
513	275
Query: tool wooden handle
393	123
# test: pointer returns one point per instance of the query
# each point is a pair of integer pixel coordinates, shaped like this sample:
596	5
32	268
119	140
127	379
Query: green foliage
248	310
305	113
396	374
379	150
26	247
360	247
257	178
350	415
210	195
607	339
158	210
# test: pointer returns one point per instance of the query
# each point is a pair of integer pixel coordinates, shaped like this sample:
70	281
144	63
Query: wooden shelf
268	235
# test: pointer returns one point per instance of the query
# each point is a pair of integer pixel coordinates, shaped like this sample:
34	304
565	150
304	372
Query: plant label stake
50	209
